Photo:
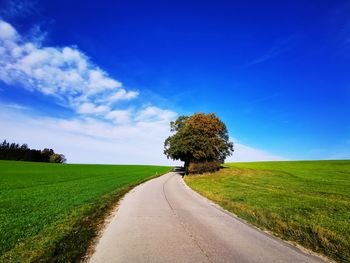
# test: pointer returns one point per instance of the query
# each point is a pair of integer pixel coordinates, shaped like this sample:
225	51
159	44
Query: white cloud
89	108
13	106
150	113
62	72
7	32
244	153
119	116
98	81
89	140
122	94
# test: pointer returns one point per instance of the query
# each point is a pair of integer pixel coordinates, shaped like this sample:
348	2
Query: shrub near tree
201	141
202	167
57	158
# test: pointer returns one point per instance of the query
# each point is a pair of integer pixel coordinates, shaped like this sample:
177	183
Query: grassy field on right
307	202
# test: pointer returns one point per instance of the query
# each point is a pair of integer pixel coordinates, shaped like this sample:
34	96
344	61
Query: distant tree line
14	151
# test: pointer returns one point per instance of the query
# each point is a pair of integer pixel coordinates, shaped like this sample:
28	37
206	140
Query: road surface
163	220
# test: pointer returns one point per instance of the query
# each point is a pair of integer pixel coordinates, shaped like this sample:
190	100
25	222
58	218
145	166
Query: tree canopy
198	138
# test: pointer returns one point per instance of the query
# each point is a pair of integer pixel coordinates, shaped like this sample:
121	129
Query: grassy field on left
50	212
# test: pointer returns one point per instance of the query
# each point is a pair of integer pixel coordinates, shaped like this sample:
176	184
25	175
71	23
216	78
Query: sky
99	81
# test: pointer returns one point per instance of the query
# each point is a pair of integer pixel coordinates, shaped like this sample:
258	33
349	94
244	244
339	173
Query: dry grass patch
304	202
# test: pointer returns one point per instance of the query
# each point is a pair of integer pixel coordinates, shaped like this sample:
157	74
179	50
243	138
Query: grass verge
304	202
51	213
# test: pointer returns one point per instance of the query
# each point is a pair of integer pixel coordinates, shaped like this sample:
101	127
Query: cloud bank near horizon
92	141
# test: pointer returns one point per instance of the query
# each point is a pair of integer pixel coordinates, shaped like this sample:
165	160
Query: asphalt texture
163	220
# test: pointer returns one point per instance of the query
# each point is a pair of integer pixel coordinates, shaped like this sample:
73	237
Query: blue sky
109	76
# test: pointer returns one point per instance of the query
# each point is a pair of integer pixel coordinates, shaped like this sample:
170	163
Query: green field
50	212
305	202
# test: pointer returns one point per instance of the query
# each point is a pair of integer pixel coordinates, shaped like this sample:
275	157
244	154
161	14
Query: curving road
163	220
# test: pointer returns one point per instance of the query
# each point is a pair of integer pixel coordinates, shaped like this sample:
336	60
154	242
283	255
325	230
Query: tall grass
305	202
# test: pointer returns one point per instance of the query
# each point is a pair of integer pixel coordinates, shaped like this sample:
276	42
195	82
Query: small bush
203	167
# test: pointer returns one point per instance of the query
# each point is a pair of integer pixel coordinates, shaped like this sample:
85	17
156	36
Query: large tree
198	138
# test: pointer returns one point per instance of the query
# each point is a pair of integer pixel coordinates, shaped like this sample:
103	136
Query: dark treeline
14	151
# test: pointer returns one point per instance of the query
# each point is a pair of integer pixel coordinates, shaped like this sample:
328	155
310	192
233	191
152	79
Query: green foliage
57	158
306	202
50	212
14	151
198	138
202	167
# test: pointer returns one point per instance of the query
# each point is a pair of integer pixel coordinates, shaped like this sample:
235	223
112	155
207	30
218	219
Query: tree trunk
187	164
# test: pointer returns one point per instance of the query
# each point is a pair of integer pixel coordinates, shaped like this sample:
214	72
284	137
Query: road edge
293	245
109	215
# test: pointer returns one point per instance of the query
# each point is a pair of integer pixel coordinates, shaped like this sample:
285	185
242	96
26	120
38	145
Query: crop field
307	202
50	212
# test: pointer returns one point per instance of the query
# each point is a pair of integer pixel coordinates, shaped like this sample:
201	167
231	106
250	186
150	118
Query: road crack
183	225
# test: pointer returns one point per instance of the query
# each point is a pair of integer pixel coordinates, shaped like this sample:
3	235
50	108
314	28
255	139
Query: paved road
164	221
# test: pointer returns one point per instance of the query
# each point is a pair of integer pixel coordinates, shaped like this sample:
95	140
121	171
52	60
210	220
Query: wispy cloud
119	116
123	95
152	113
18	8
245	153
13	106
64	73
279	47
